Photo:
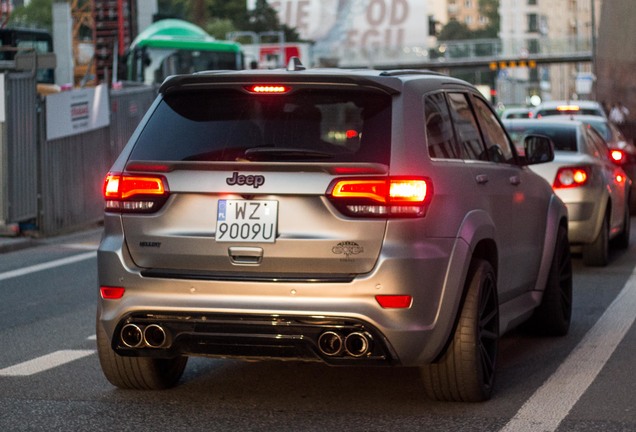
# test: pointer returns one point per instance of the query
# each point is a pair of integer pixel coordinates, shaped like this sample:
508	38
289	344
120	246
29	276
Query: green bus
172	46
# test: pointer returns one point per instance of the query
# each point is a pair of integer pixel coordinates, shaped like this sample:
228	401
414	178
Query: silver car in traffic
351	217
595	190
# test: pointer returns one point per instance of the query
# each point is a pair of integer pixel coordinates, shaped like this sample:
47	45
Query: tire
596	254
552	317
466	372
622	240
138	373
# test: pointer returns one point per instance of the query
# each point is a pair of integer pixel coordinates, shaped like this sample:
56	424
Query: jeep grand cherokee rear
308	215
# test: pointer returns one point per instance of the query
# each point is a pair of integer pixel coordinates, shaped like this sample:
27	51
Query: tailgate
284	226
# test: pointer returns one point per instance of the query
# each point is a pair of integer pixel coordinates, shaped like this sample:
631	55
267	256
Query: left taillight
570	177
135	193
381	197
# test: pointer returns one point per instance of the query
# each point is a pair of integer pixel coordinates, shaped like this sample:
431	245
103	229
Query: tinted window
596	143
602	127
497	144
563	137
304	126
439	128
466	127
581	111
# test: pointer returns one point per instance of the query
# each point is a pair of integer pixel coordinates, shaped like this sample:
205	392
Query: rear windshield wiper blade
284	154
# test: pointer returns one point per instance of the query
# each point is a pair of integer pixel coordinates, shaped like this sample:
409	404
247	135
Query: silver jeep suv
350	217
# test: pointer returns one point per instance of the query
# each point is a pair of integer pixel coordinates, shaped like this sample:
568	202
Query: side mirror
538	149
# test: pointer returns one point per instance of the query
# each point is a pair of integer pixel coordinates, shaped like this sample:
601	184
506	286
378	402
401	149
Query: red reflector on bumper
394	301
111	293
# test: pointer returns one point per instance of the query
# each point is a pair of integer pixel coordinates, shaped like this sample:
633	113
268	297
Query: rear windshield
564	138
230	125
579	111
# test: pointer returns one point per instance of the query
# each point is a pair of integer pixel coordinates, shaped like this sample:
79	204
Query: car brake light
568	108
617	156
568	177
135	193
268	89
111	293
394	301
381	197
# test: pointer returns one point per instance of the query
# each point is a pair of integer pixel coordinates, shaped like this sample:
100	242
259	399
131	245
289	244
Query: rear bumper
285	319
333	340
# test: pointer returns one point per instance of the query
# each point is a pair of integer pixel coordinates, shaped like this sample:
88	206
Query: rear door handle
245	255
515	180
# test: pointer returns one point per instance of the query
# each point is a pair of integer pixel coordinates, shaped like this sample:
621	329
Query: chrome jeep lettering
250	180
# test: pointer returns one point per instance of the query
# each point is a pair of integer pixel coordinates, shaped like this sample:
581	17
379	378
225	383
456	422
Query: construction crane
83	30
108	25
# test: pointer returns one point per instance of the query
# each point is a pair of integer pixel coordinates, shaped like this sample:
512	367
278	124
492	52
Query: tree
490	10
38	14
224	16
455	30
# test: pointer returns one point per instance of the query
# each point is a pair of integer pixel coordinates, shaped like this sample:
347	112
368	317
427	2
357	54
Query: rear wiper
284	154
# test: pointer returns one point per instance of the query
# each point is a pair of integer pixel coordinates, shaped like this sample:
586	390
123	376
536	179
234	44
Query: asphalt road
50	377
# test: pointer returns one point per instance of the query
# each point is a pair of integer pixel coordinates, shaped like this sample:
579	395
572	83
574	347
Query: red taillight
111	293
394	301
381	197
135	193
617	156
352	133
268	89
569	177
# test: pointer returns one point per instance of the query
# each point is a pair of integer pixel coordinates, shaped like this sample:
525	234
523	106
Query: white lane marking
82	246
47	265
46	362
552	402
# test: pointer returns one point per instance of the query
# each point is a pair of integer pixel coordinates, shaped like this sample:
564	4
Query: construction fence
55	151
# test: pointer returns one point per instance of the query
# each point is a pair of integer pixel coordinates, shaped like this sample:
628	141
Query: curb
15	244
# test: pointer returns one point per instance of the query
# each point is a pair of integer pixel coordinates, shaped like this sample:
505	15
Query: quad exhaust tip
356	344
152	336
132	336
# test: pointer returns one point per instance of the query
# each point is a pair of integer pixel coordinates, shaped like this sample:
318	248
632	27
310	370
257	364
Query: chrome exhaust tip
357	344
131	336
330	343
154	336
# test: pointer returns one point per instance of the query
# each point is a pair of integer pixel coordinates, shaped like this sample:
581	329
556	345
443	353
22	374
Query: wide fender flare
556	215
476	226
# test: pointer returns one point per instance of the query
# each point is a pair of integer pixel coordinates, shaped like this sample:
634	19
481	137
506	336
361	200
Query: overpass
490	54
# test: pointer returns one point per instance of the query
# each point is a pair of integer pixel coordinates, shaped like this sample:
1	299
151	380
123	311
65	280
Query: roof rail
398	72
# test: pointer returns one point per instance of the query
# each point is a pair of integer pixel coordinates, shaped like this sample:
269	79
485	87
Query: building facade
543	27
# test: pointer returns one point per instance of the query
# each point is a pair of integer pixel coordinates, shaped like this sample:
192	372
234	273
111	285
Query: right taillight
135	193
570	177
381	197
618	156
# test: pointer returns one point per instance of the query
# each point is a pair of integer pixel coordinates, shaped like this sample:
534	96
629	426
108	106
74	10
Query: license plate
246	221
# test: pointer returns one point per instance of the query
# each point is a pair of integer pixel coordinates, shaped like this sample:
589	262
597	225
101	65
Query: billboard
358	31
